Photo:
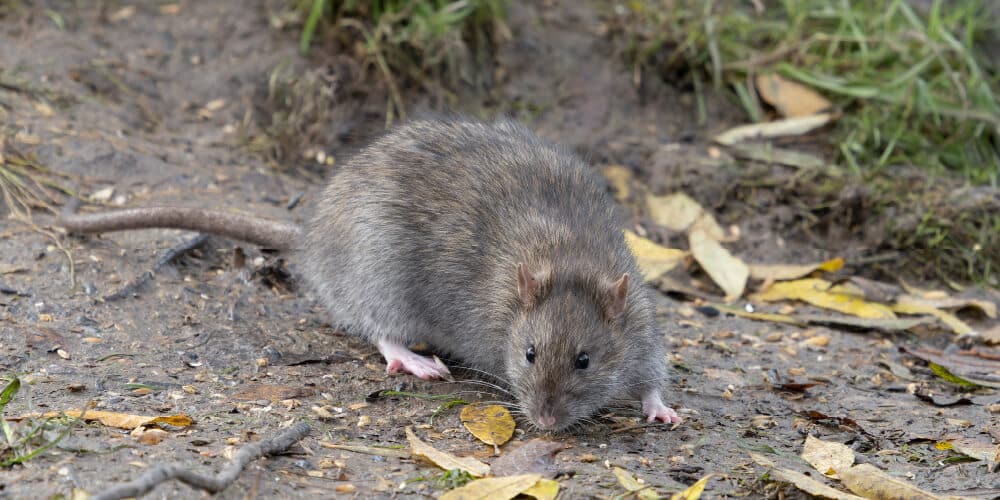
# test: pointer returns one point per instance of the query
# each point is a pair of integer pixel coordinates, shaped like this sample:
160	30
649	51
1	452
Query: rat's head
568	347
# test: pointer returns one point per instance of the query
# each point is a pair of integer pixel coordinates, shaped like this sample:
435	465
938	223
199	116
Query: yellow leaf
943	445
694	491
491	424
123	420
654	260
727	271
618	176
790	98
544	489
912	305
501	488
632	484
870	482
818	293
785	272
827	456
445	460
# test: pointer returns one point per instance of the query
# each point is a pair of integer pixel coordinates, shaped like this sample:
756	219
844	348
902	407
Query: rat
496	248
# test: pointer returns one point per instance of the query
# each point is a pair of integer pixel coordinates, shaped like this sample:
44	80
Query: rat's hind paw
399	359
654	409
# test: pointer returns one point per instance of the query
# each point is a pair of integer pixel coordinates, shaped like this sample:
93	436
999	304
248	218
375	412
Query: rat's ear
615	296
531	285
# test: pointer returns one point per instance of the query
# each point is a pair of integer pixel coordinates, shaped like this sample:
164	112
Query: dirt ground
150	105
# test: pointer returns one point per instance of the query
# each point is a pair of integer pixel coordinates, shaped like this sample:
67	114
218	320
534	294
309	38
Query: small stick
213	484
171	254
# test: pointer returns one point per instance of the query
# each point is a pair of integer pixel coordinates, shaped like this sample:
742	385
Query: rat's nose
546	421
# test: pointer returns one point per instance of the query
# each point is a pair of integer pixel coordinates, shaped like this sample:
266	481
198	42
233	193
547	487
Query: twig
168	256
213	484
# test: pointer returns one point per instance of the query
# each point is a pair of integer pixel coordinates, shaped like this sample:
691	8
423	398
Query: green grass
912	86
434	44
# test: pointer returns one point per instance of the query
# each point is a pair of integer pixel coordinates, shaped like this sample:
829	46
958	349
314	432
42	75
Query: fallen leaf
768	153
678	212
536	456
790	98
544	489
694	491
445	460
785	272
632	484
272	393
152	436
122	14
727	271
368	450
906	305
827	457
778	128
654	260
117	420
811	486
887	325
821	294
870	482
490	424
493	488
760	316
618	177
980	449
969	366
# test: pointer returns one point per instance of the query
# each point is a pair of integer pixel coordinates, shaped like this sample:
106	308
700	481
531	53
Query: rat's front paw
654	409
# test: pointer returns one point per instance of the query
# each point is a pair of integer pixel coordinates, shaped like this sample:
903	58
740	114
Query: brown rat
489	244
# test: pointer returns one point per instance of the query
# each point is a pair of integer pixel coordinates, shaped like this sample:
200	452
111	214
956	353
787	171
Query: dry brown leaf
152	436
726	270
632	484
501	488
654	260
811	486
780	128
120	420
827	457
445	460
534	457
788	97
368	450
785	272
694	491
870	482
492	424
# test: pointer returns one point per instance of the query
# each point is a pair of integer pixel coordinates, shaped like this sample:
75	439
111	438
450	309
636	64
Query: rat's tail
256	230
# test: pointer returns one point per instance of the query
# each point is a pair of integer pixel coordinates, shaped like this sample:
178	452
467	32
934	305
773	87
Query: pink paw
420	366
654	409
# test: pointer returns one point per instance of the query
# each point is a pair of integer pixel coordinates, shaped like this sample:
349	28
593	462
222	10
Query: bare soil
244	352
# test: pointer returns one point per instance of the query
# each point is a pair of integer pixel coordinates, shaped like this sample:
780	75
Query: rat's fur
418	239
481	240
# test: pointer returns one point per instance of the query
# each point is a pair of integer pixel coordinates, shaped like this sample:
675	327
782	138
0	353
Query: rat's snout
549	415
546	422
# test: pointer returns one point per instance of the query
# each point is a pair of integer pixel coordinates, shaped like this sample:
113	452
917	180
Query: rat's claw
654	409
399	360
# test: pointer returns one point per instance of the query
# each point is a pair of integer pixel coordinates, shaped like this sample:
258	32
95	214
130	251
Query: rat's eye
530	355
582	361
